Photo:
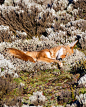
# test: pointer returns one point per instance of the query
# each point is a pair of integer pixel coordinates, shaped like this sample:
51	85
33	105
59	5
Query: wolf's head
66	50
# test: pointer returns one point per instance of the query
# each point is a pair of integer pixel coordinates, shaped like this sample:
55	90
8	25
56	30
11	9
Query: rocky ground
33	25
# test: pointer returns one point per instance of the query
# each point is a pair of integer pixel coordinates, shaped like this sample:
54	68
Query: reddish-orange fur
46	55
19	54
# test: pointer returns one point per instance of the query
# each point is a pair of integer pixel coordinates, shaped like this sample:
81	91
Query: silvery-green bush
37	98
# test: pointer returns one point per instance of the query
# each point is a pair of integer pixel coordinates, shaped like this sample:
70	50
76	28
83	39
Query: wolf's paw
61	64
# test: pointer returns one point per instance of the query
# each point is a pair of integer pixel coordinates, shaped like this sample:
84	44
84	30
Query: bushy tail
20	54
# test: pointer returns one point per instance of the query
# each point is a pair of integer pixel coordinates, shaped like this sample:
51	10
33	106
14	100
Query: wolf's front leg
48	60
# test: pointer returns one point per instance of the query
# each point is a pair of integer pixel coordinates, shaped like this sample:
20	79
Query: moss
82	90
73	95
2	69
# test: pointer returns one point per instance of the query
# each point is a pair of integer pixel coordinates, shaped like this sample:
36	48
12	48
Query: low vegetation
52	83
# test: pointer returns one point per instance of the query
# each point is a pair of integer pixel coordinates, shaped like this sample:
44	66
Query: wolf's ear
72	45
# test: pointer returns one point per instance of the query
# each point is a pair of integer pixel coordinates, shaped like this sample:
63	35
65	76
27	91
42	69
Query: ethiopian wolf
46	55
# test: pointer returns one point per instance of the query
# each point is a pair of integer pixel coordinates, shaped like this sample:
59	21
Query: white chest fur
48	54
59	53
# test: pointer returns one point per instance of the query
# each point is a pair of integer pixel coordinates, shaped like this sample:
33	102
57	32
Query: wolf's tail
20	54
